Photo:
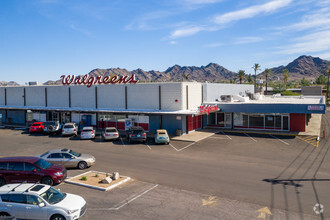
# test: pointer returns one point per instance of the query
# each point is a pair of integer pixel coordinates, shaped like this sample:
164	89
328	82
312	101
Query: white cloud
223	19
316	19
187	31
173	42
248	40
315	42
250	12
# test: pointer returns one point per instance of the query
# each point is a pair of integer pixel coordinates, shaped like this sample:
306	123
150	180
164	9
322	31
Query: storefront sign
315	107
92	80
207	109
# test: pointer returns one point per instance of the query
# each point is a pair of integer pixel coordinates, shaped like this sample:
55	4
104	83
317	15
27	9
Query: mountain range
307	67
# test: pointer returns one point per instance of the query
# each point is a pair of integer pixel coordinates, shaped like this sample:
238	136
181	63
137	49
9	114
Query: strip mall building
178	107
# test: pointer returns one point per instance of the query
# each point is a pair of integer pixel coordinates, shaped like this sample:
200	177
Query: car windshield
42	164
161	133
75	153
53	196
137	131
42	155
36	124
50	123
68	126
87	130
111	130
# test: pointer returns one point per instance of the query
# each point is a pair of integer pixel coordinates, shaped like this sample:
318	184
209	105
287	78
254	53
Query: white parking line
183	147
122	141
125	202
225	135
279	139
251	137
148	146
173	147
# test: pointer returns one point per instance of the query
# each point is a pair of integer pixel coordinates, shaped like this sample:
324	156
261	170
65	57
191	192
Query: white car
87	133
70	129
38	201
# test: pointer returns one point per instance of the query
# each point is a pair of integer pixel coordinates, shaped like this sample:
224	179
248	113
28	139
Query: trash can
178	132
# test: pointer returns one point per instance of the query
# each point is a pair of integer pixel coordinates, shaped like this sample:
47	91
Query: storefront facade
183	107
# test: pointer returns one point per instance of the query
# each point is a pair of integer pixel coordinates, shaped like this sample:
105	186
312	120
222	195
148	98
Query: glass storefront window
269	121
278	122
256	121
238	119
110	117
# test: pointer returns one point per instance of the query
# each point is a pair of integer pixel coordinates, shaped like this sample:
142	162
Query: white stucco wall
84	97
169	93
213	91
143	96
194	95
111	96
35	96
2	96
58	96
15	96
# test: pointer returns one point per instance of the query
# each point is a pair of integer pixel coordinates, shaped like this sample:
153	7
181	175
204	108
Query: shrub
84	178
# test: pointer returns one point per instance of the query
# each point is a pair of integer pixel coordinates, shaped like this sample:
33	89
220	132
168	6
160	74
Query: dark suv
30	169
136	134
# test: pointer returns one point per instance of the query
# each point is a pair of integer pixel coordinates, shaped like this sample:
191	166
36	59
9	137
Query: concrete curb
95	187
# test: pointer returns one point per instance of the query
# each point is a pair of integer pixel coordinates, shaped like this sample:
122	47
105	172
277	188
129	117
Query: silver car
110	133
70	129
87	133
68	158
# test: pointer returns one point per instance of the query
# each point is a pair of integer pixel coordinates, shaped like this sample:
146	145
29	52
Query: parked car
162	137
70	129
52	127
110	133
37	127
136	134
30	169
68	158
39	202
87	133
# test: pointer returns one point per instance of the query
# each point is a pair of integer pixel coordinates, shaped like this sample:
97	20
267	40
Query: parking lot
219	177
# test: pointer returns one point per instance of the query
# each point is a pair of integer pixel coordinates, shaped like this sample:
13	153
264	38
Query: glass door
285	124
227	120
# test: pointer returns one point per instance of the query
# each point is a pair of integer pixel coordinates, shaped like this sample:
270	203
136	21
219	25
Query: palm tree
256	67
241	74
267	73
249	78
286	77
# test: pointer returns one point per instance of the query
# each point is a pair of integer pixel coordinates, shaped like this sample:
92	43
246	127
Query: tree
286	77
256	67
304	82
249	78
267	73
321	80
241	74
186	76
231	81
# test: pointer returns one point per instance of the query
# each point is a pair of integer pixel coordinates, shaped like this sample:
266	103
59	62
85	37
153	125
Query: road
229	166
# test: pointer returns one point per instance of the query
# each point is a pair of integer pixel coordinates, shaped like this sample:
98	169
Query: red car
30	169
37	127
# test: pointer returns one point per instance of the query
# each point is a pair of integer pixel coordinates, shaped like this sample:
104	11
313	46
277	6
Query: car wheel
82	165
57	217
3	214
2	181
47	180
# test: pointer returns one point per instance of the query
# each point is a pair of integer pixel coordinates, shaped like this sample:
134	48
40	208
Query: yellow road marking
211	201
312	140
263	211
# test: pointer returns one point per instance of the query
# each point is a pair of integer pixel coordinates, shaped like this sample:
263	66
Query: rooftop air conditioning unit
226	98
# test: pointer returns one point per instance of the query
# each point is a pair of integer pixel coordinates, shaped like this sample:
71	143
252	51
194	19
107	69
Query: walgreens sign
207	109
92	80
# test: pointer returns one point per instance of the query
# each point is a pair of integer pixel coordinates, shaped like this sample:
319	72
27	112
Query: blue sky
41	40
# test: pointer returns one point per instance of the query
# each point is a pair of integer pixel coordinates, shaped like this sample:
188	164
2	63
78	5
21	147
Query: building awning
103	110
